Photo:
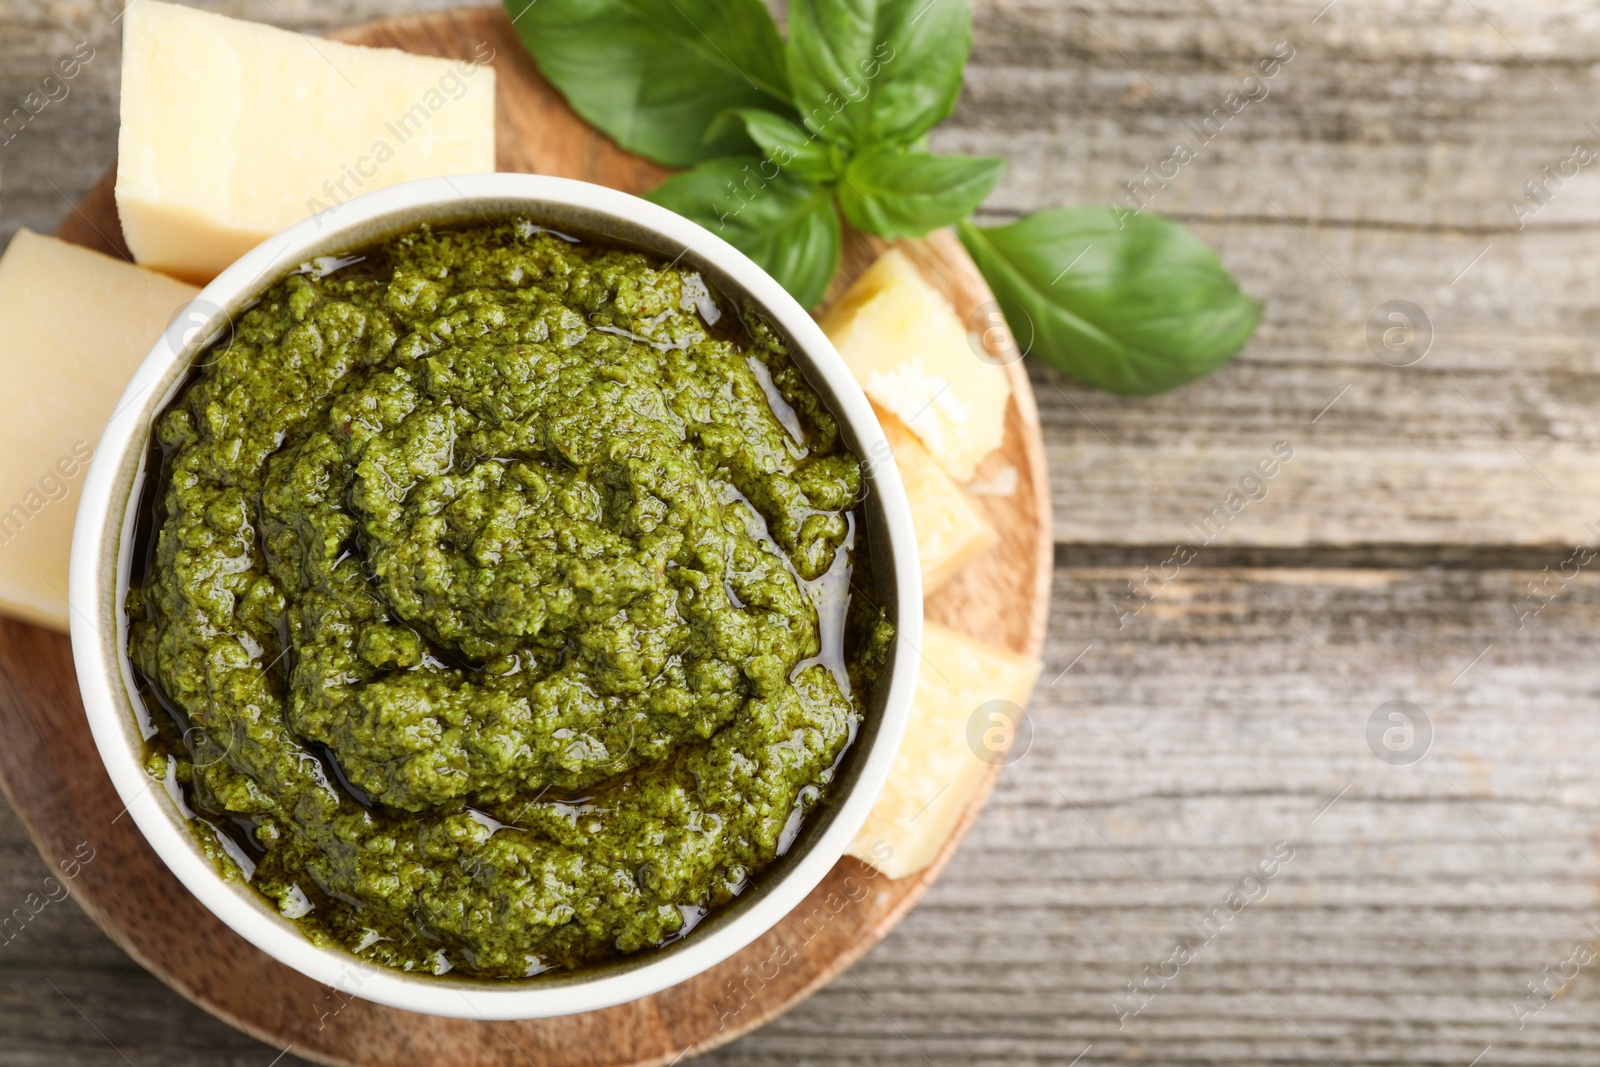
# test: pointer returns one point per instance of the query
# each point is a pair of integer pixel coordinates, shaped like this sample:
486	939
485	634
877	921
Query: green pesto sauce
496	608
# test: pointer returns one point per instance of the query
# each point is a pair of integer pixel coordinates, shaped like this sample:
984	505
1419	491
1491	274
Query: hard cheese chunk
940	765
950	531
911	355
73	326
232	131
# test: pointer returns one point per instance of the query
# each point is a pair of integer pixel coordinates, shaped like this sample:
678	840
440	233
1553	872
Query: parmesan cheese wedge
946	751
74	325
950	530
905	345
232	131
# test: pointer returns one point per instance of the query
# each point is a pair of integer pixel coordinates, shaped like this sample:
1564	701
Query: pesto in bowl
498	595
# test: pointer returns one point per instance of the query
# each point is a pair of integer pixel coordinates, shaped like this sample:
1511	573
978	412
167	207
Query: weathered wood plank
1488	439
1377	166
1401	114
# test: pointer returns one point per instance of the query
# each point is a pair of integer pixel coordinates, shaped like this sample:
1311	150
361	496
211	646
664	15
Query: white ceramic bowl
102	548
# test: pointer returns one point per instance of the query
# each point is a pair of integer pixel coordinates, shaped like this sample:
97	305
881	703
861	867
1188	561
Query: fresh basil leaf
788	226
877	72
653	74
783	140
1131	303
908	194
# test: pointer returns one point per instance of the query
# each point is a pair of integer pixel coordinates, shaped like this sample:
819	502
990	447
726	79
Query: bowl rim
101	555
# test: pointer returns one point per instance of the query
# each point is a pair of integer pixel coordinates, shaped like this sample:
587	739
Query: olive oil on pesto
498	605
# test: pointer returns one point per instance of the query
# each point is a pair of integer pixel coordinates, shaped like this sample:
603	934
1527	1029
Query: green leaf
908	194
869	73
1131	303
788	226
783	140
654	74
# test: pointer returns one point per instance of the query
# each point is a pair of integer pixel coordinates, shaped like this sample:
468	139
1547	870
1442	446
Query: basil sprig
877	73
790	228
781	137
897	194
653	75
1140	303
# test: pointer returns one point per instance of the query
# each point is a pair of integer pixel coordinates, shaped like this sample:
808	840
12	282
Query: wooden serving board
52	776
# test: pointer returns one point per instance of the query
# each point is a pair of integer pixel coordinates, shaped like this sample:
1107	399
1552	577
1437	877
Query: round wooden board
52	775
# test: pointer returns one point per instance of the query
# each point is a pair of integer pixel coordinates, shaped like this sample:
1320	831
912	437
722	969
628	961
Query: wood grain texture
127	891
1189	741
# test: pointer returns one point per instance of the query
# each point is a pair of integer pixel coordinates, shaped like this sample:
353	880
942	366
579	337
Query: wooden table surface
1226	722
